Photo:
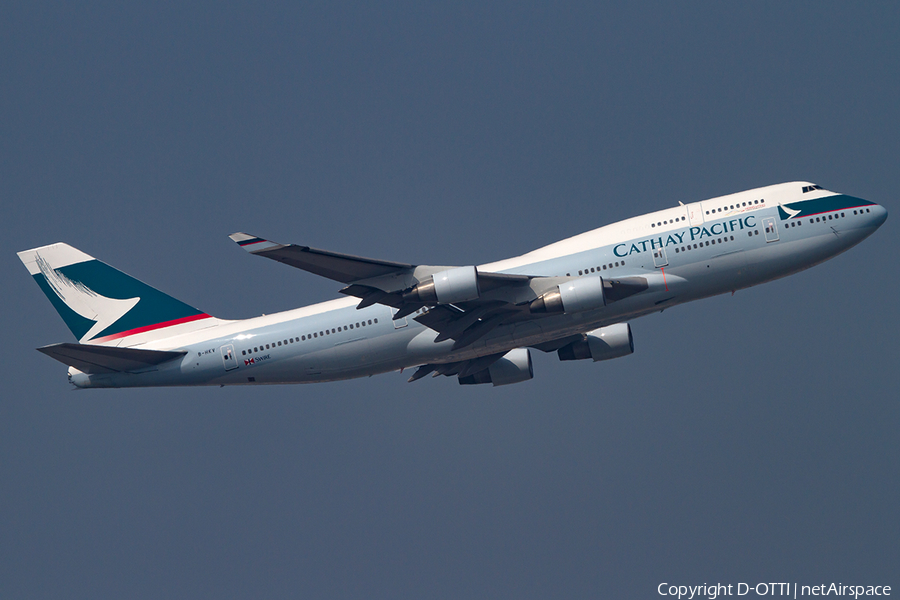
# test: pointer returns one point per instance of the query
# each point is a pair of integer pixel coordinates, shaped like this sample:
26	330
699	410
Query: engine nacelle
515	366
601	344
447	287
573	296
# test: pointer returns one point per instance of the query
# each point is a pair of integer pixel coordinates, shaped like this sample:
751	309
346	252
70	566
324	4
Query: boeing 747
477	323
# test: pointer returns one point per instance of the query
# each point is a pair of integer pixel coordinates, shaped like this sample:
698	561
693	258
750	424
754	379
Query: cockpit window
809	188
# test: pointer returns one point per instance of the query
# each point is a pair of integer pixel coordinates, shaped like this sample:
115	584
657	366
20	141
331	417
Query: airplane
575	297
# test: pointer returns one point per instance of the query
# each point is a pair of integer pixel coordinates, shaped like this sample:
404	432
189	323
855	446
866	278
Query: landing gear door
398	323
228	357
771	229
659	257
695	213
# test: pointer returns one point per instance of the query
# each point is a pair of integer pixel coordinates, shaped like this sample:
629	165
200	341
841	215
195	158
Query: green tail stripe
154	306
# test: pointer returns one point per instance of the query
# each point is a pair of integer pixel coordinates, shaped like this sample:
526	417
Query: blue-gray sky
749	438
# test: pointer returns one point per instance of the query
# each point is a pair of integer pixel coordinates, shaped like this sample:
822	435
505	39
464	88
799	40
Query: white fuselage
685	253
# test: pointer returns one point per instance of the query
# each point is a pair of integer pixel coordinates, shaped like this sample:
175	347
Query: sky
749	438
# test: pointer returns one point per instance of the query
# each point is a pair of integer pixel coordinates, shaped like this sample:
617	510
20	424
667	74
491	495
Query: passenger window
243	353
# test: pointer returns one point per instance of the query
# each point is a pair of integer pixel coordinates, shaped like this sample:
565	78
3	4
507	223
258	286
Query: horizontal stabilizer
92	359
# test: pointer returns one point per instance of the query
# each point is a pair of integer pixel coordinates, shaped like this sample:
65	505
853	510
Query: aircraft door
695	213
659	257
771	229
228	357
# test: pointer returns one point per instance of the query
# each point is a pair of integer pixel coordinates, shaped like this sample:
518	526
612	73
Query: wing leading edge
332	265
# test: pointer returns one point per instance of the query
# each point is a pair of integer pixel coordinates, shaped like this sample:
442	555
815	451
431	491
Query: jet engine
577	295
601	344
453	285
515	366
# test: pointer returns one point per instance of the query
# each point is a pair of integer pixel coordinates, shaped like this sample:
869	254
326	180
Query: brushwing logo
85	301
789	212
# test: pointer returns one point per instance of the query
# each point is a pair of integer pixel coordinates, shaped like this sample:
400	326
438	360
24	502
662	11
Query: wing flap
92	359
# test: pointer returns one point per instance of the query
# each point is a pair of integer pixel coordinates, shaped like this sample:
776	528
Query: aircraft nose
879	215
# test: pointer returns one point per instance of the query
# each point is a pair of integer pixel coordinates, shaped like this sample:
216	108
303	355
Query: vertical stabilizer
102	305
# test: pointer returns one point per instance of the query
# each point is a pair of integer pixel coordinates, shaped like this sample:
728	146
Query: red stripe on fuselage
146	328
825	212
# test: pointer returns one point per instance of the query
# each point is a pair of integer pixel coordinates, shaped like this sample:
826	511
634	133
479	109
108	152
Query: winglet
253	244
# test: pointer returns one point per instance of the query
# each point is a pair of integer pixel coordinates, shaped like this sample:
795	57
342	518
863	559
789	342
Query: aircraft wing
498	299
462	368
339	267
89	358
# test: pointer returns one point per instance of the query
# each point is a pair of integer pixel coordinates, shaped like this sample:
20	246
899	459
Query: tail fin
102	305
